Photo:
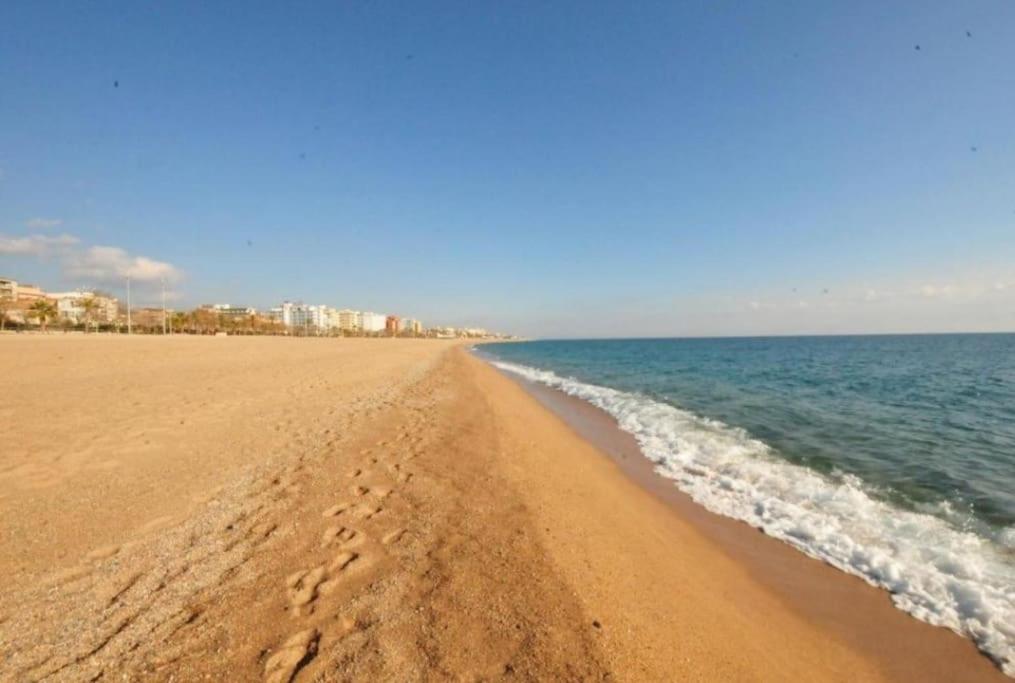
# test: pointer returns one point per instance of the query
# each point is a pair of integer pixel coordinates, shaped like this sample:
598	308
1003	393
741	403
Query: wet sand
321	509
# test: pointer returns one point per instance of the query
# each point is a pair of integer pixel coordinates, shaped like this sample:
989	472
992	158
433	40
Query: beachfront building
373	322
8	289
231	312
392	325
334	319
70	306
349	320
319	317
411	326
20	293
298	315
292	314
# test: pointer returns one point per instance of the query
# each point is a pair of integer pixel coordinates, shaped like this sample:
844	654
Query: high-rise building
391	325
410	326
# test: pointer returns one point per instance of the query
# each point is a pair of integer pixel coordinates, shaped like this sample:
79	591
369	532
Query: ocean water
889	457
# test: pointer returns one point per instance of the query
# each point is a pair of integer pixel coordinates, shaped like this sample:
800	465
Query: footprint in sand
342	560
103	553
262	530
303	585
359	490
368	511
337	533
294	653
393	537
335	510
337	566
355	473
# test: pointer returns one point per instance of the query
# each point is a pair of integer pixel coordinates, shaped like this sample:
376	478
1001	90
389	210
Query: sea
889	457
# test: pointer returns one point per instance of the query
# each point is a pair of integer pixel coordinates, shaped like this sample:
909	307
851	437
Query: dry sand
319	509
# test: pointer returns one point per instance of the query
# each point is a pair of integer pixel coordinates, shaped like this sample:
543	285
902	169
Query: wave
935	572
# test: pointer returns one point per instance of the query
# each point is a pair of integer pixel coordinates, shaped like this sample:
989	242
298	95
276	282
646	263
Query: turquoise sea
889	457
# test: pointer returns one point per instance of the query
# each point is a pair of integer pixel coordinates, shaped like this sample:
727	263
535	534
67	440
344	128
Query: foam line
935	572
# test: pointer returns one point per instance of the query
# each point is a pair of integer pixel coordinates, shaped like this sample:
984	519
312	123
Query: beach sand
320	509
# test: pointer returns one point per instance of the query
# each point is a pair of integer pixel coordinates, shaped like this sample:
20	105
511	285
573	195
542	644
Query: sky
564	169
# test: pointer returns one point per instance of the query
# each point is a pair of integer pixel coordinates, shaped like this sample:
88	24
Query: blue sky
554	169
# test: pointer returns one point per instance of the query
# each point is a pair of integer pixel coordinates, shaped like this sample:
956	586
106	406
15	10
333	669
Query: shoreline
854	612
253	509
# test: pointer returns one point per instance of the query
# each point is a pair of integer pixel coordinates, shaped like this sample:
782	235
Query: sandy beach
362	509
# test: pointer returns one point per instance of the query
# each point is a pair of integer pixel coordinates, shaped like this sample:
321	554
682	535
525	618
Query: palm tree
89	305
179	321
43	310
6	303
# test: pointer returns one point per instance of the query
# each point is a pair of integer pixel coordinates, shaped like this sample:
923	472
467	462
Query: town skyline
24	304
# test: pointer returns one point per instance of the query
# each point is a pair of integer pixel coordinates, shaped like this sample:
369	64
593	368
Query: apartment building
349	320
373	322
20	293
69	306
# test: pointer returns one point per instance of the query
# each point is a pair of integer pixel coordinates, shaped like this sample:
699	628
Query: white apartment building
231	311
298	314
68	305
320	316
373	322
410	325
349	320
8	289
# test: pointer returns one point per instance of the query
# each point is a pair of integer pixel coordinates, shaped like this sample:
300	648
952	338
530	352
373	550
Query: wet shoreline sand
855	612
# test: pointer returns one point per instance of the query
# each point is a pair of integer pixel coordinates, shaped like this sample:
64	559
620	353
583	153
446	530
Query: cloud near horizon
97	264
113	264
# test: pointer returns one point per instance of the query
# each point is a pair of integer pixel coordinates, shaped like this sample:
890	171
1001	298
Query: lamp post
163	306
128	305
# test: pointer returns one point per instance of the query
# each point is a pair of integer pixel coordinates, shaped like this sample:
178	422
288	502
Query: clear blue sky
566	168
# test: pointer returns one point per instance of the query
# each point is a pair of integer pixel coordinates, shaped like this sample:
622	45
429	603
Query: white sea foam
935	572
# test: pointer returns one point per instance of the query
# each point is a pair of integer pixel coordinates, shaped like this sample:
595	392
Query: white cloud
43	223
36	245
113	264
91	265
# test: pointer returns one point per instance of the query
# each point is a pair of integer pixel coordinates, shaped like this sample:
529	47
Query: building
20	293
232	312
373	322
320	316
70	306
290	314
8	289
411	326
334	319
299	315
349	321
392	325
